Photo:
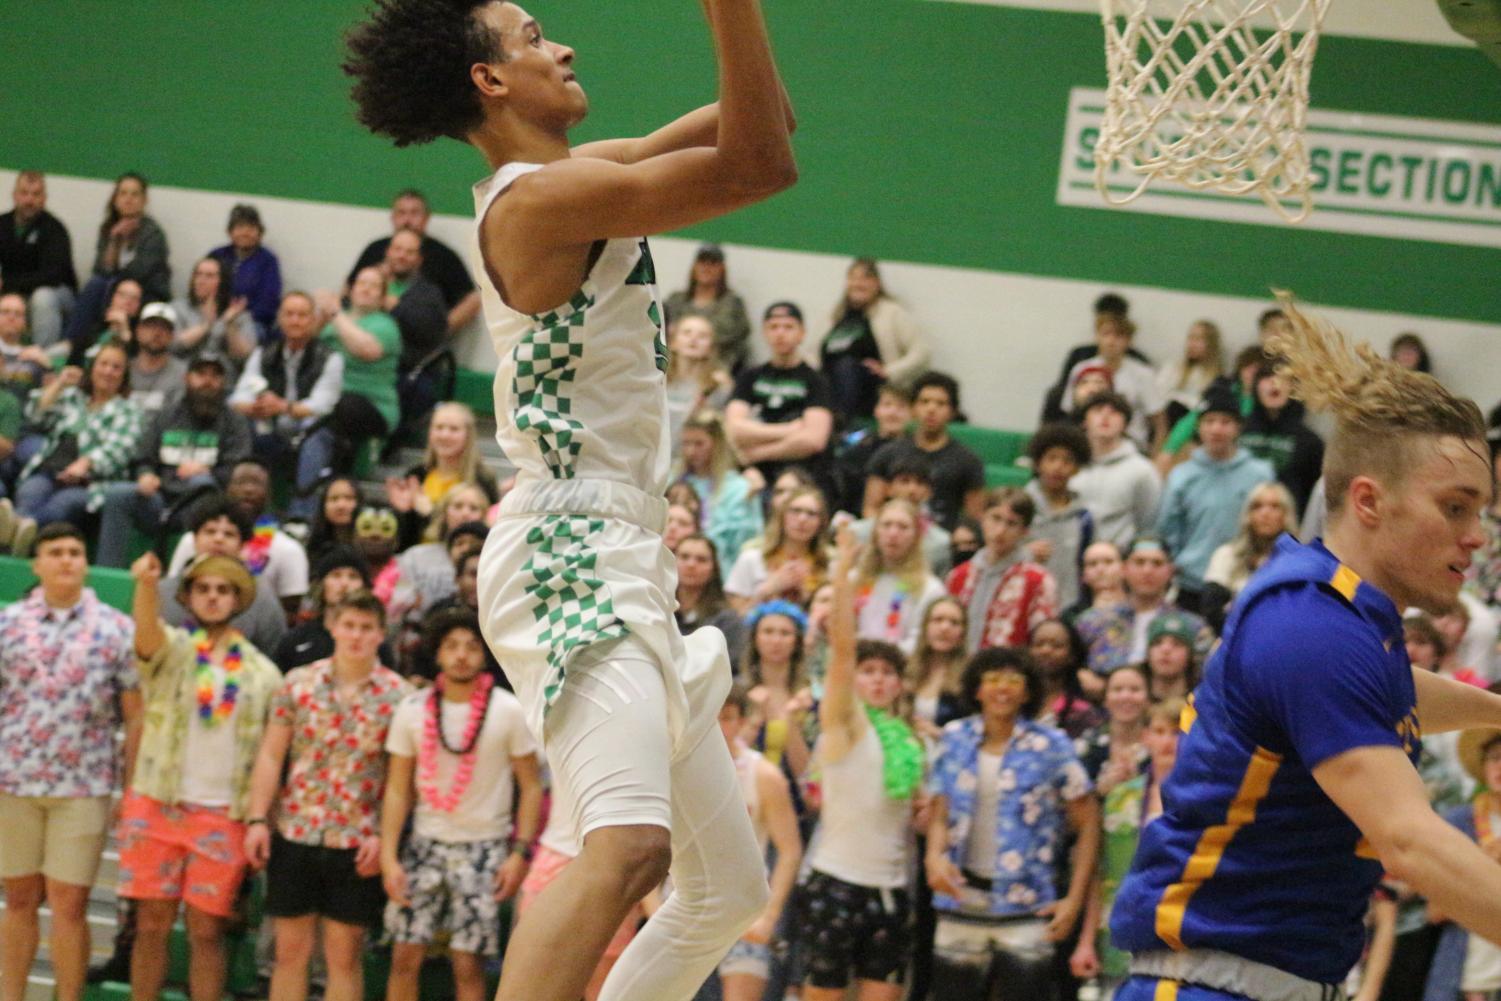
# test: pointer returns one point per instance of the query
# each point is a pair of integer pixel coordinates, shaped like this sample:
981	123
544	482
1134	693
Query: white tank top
746	765
580	391
866	835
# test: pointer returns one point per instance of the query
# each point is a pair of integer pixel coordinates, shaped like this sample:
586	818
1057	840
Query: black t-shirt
779	396
955	470
440	264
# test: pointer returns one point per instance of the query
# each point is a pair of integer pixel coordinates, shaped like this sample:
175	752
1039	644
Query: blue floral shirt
1039	775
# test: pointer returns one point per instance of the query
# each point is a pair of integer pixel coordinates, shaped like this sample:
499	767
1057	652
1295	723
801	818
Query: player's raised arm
582	199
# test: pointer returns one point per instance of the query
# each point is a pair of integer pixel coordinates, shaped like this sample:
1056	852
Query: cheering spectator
1063	528
957	473
1118	486
131	245
212	321
253	272
856	909
1268	513
779	696
1103	576
339	572
452	457
744	972
157	380
187	449
324	858
936	667
1126	809
1275	431
117	324
855	449
793	559
68	683
700	594
1133	380
1181	383
1202	502
709	293
695	378
894	586
912	481
208	695
273	557
1004	789
92	430
1111	751
729	508
369	342
1117	634
218	526
470	844
36	258
439	263
427	570
872	339
1005	593
288	388
781	411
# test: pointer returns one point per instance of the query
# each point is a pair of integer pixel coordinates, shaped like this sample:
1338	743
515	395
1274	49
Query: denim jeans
126	507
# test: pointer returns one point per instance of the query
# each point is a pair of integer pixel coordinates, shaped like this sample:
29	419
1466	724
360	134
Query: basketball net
1211	94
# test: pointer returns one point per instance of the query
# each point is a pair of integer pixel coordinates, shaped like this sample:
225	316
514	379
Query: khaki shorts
60	838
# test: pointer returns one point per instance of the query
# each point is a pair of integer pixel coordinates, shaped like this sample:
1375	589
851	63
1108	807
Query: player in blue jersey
1295	783
576	588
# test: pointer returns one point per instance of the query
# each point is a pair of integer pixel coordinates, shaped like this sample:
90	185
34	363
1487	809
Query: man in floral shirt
328	725
67	684
182	827
1003	789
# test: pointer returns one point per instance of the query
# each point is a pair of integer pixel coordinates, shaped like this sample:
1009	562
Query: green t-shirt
1121	817
10	416
374	380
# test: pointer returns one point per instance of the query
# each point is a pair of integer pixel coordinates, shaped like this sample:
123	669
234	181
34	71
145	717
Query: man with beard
189	447
36	258
416	304
277	561
156	378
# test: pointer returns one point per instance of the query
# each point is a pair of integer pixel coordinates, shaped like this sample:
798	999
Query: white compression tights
608	743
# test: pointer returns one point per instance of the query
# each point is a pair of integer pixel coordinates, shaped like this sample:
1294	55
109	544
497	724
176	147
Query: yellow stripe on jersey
1167	990
1212	843
1188	715
1345	581
1363	849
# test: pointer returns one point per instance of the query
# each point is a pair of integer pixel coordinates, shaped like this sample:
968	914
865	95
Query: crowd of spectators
949	726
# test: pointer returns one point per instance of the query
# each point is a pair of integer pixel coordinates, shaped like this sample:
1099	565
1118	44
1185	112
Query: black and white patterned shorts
451	886
854	931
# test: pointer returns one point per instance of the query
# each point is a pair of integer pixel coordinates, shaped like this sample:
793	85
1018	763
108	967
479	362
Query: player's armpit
581	200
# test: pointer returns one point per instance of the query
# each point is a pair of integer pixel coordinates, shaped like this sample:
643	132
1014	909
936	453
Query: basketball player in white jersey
576	588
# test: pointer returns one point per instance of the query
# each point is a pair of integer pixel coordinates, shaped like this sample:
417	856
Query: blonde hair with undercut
1380	409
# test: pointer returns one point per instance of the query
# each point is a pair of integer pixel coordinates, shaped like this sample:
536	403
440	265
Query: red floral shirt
336	765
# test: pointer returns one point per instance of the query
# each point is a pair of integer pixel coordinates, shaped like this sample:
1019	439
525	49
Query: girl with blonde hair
695	378
1181	383
452	458
793	558
893	585
729	505
1269	512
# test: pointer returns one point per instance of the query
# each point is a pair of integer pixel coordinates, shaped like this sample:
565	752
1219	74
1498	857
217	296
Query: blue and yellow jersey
1250	856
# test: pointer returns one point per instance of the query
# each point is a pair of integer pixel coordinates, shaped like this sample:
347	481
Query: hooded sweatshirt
1295	452
1071	530
1201	507
1121	490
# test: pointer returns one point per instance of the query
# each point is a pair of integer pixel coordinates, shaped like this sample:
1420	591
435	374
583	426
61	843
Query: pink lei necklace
432	738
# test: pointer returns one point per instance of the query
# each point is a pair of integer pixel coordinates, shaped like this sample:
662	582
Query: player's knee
640	855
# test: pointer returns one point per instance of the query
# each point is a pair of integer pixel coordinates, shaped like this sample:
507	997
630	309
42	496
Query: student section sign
1377	175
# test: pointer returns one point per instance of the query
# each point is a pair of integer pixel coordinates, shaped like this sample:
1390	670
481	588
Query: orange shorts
545	867
189	853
